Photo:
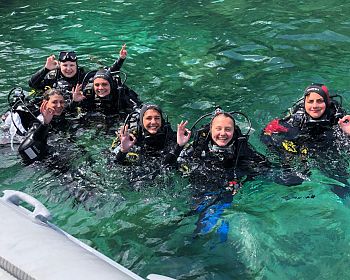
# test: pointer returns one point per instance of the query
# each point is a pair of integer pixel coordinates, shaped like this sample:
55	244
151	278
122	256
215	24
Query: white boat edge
31	247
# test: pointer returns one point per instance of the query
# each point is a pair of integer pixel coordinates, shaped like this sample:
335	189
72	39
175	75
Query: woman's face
102	87
152	121
222	130
55	104
315	105
68	68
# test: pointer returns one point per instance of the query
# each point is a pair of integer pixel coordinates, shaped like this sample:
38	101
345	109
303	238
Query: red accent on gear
274	127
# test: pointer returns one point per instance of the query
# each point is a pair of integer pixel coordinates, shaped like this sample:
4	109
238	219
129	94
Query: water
188	56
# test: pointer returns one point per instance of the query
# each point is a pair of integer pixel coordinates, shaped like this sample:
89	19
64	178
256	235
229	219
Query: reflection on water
253	56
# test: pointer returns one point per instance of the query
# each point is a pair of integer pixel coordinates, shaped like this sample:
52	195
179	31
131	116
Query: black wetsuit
118	102
34	146
216	174
207	162
148	160
158	146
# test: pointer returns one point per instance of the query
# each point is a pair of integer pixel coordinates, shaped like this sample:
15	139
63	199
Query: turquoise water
188	56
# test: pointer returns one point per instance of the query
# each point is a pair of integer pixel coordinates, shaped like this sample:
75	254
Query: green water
188	56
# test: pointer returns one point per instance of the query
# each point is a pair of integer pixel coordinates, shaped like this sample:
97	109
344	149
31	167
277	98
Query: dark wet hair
51	92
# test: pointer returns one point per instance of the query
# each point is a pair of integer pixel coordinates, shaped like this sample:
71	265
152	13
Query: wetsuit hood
320	89
104	74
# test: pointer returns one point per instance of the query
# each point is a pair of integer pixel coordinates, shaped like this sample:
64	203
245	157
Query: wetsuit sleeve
37	81
34	146
117	65
171	157
120	156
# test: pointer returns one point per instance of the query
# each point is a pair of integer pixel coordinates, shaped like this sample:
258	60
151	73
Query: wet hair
227	115
320	89
51	92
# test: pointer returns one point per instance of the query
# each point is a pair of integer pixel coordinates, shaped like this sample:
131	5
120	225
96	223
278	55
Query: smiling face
68	68
152	121
102	87
315	105
56	104
222	130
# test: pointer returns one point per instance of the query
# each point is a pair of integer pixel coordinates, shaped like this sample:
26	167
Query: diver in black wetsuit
146	134
105	95
217	162
220	145
144	146
34	145
312	134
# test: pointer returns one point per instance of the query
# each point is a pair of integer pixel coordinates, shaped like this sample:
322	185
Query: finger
125	129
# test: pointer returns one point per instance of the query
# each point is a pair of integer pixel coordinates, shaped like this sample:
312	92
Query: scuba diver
143	146
146	133
65	74
104	96
220	145
312	134
218	161
33	125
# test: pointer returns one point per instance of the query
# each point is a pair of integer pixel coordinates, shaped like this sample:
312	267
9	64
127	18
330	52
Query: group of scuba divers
316	123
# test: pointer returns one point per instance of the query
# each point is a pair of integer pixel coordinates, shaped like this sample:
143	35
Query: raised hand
123	52
183	134
77	94
46	111
51	63
344	124
127	140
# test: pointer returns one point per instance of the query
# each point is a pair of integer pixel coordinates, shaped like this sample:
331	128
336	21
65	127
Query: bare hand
51	63
183	134
47	112
127	140
123	52
77	94
344	124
